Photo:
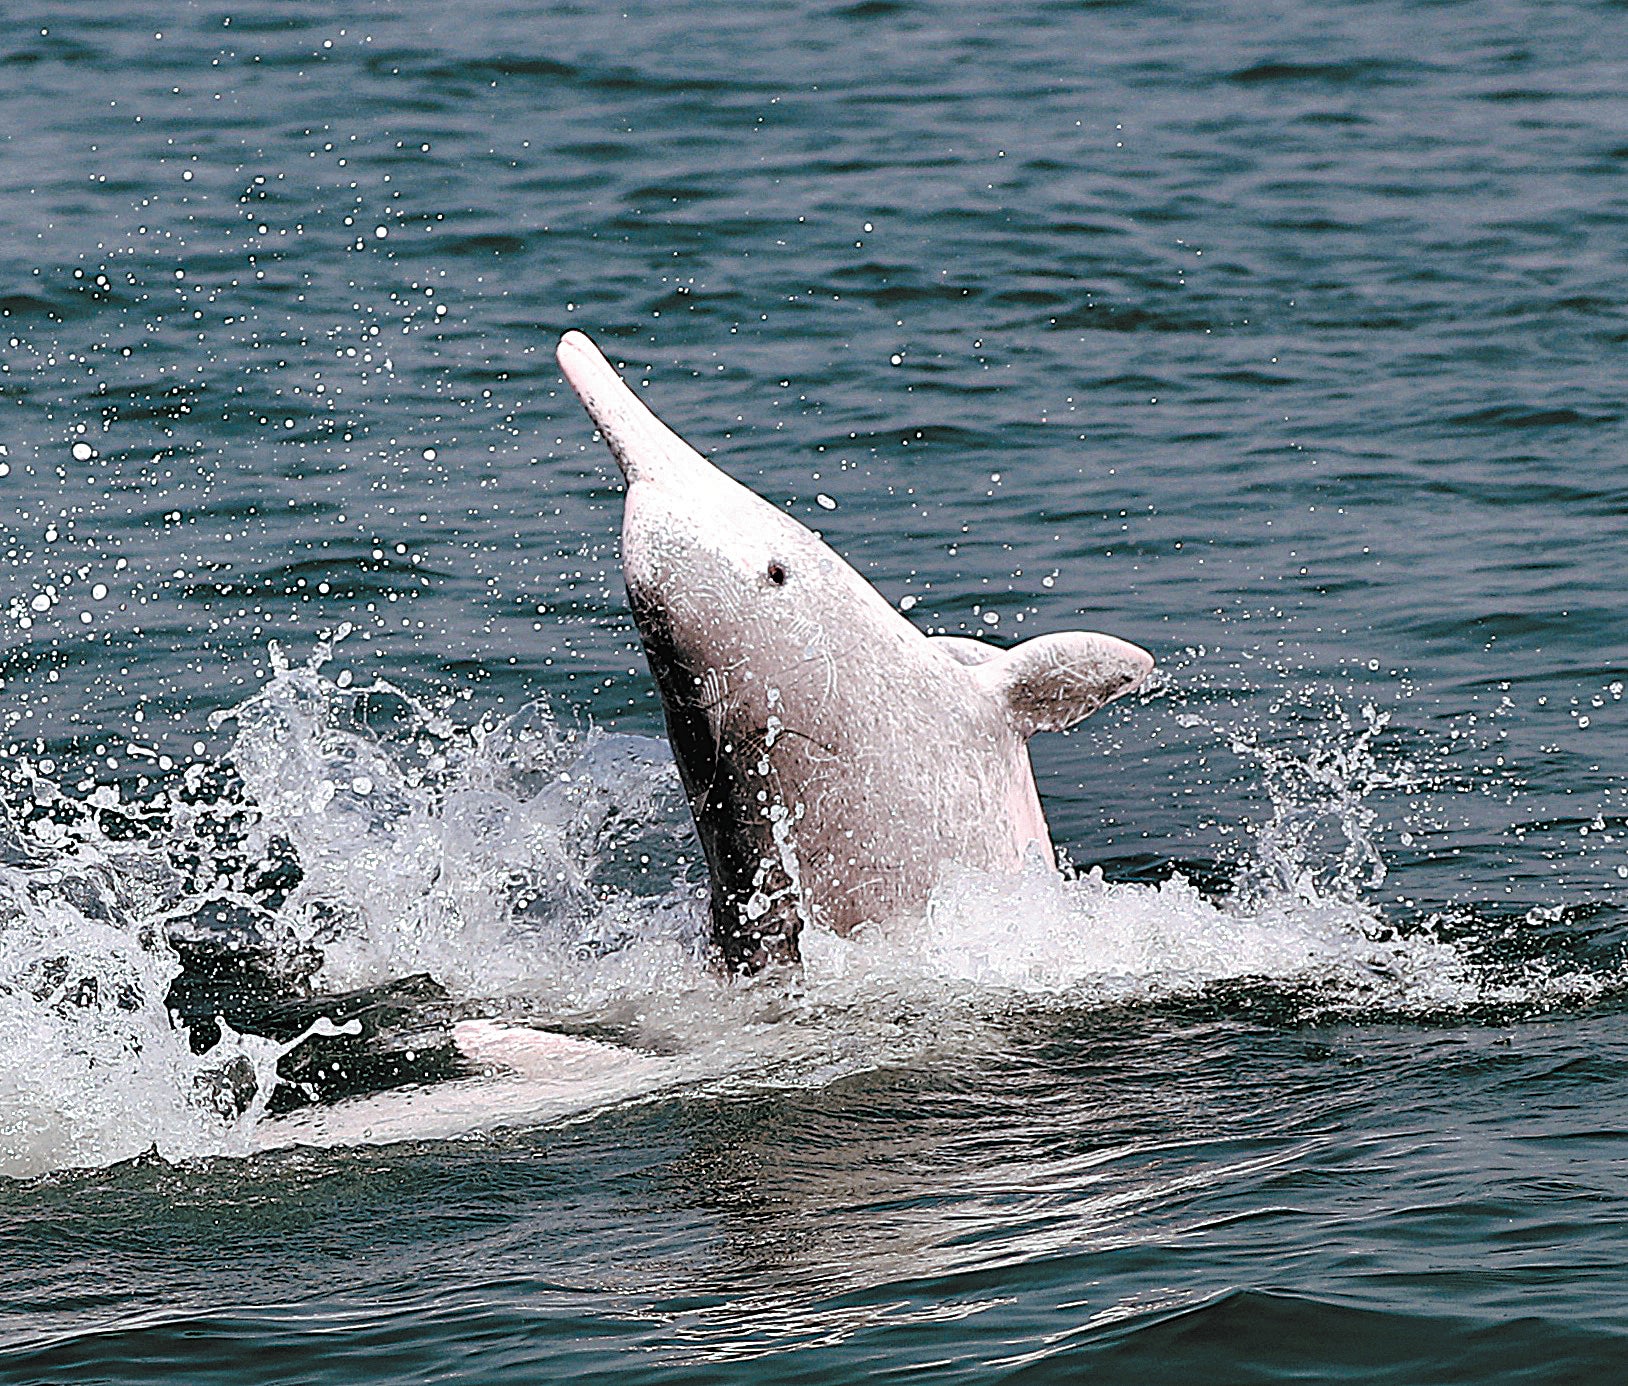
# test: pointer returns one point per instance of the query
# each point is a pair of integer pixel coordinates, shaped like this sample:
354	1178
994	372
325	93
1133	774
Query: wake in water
202	972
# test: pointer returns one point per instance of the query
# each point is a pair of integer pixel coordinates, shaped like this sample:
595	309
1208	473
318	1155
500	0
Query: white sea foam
548	873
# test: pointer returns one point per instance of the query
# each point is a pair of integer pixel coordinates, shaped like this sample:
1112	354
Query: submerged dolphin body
835	758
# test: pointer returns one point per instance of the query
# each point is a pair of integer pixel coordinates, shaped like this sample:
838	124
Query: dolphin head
726	588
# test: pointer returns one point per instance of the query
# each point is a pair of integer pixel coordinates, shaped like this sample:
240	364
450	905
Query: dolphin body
835	758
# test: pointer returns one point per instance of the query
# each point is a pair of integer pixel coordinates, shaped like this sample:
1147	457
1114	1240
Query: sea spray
547	871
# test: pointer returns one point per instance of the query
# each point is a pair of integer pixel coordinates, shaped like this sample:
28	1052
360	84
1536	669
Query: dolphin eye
777	573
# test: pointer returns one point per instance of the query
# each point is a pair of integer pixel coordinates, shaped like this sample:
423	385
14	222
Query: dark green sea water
1287	341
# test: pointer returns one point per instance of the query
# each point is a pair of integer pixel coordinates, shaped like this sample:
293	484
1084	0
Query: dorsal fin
1053	681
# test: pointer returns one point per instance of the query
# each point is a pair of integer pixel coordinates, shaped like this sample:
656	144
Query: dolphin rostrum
835	758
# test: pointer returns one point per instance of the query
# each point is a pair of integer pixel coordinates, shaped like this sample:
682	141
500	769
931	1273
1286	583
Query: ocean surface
1288	341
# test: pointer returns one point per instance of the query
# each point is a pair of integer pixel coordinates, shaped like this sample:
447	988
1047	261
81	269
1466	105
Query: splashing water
1319	842
496	859
101	1071
549	873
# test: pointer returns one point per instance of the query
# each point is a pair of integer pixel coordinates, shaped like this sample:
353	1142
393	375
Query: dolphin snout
641	443
584	365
